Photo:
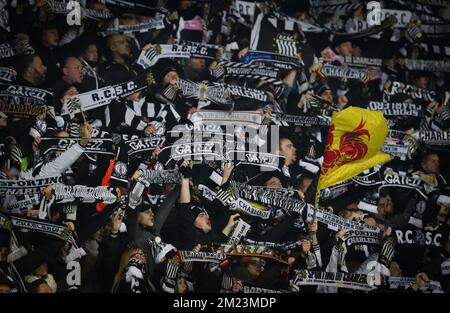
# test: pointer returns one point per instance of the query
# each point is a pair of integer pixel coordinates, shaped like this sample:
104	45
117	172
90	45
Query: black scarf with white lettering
150	54
271	59
408	182
393	109
336	222
332	279
235	69
394	87
95	145
61	8
152	23
16	94
6	51
25	110
433	138
85	194
27	186
7	74
103	96
298	120
418	237
281	198
162	176
328	70
352	237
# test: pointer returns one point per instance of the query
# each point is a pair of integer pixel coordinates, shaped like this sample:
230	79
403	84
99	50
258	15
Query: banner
27	186
240	229
299	120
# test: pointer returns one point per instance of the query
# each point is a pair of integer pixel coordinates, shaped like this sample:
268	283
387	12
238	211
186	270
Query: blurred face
169	77
203	222
443	213
385	205
50	38
422	82
345	48
288	150
5	289
119	46
274	182
91	54
184	4
197	64
254	267
327	95
146	218
395	269
73	72
38	70
3	122
44	288
431	164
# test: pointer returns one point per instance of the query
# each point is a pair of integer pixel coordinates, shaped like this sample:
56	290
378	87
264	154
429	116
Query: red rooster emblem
351	147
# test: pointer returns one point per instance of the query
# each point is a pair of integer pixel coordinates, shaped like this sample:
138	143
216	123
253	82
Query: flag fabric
354	141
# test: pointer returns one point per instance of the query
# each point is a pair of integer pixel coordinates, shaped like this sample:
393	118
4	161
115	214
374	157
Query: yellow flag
354	140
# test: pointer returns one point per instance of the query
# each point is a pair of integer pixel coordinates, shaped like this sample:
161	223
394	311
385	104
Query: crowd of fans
141	241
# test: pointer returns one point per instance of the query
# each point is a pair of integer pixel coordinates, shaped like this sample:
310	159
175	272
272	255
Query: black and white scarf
85	194
418	237
152	23
299	120
25	110
328	70
408	182
61	8
332	279
7	74
336	222
275	245
433	138
243	250
247	208
95	145
362	237
27	186
6	51
29	203
140	145
240	230
392	109
269	196
215	117
162	176
197	150
272	59
236	69
427	65
4	15
103	96
362	61
432	286
150	54
395	87
16	94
